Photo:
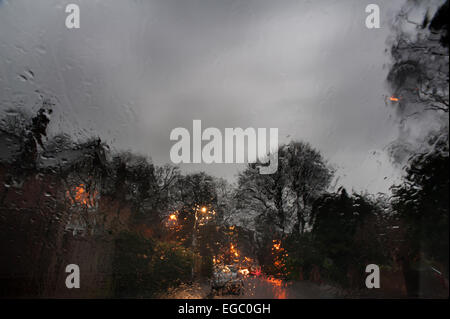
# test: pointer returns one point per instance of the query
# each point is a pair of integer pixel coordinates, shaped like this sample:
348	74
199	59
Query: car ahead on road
255	270
227	280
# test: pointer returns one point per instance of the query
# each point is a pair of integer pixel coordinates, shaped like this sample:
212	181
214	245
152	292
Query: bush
144	268
302	256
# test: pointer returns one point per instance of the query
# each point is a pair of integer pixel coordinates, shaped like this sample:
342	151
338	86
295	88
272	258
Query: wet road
258	287
272	288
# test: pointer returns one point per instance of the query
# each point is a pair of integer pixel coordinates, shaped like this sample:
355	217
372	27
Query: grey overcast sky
137	69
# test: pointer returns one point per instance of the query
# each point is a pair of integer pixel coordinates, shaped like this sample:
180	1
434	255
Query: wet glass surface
116	166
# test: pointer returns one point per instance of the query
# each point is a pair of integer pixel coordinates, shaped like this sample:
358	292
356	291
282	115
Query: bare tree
301	176
309	176
419	76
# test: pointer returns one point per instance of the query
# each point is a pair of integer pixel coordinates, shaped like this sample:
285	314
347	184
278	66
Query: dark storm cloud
137	69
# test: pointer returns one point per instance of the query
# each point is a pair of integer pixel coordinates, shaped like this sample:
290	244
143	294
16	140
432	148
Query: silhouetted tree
340	232
308	176
422	203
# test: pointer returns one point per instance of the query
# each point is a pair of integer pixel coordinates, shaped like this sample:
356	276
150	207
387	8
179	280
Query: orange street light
394	99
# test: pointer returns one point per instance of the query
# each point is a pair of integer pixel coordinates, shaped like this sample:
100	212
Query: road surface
271	288
258	288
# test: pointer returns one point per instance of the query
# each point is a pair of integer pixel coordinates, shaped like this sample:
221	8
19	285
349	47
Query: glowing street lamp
394	99
172	220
